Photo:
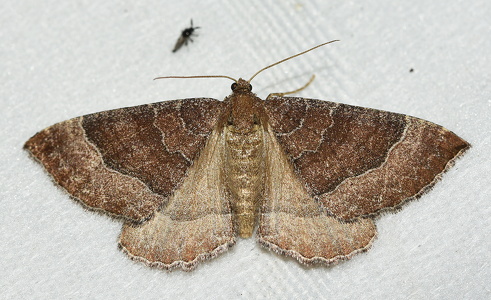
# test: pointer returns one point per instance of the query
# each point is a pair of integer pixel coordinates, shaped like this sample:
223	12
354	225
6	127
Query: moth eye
250	87
234	86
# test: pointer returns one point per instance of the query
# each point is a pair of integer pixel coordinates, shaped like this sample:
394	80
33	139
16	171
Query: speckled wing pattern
353	163
195	224
329	169
128	162
292	223
358	161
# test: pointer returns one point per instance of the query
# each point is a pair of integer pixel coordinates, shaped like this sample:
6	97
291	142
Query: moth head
241	86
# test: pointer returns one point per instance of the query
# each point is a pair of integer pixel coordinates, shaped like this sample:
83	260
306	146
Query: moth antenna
293	56
198	76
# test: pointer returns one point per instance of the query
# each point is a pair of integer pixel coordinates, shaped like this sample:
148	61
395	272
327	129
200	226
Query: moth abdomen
244	174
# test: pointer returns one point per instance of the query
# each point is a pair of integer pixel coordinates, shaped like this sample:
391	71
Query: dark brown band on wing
155	143
358	140
413	166
334	141
186	131
299	123
130	144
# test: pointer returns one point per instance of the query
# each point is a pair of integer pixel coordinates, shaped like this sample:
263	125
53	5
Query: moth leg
291	92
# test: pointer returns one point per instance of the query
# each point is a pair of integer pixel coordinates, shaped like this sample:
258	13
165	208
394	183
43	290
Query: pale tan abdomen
244	175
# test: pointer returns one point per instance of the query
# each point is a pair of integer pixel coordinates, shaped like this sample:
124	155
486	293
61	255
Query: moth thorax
244	174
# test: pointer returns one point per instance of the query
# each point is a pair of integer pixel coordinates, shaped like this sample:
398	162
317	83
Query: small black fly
185	37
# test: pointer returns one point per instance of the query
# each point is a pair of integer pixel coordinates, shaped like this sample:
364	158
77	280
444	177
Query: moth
185	37
188	177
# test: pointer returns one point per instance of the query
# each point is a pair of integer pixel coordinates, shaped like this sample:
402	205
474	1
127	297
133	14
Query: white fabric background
62	59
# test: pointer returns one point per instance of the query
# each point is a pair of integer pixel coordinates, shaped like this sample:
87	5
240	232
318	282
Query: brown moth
190	176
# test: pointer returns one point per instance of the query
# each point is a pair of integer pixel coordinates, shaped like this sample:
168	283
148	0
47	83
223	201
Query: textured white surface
62	59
